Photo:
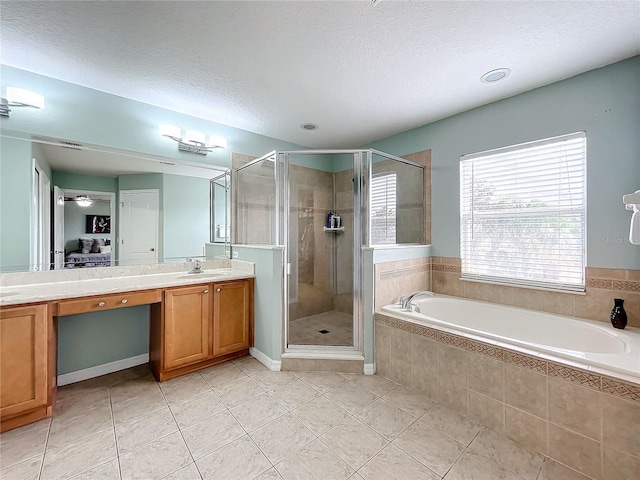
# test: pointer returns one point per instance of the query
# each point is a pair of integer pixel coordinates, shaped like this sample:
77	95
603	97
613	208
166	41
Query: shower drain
324	332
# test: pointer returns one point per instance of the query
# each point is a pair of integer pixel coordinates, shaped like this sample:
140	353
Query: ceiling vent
70	145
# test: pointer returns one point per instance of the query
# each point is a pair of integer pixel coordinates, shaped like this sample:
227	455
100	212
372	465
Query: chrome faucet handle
401	300
197	268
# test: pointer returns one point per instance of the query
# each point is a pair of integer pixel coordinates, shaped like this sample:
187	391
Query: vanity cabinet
187	325
199	326
27	364
231	317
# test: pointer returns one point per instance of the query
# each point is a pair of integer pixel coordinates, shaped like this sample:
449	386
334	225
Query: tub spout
405	302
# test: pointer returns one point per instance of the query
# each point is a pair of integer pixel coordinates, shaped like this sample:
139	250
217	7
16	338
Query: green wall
605	103
92	339
84	115
185	235
78	181
15	205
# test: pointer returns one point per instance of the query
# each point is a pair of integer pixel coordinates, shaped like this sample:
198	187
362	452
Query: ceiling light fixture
496	75
308	126
18	97
193	141
84	200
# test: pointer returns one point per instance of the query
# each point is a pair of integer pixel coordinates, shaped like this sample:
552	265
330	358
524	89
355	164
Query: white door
58	228
138	227
41	218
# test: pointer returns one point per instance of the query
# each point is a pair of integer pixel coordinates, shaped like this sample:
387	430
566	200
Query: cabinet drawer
107	302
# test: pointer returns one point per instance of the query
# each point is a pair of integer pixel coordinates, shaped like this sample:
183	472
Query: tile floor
240	421
306	330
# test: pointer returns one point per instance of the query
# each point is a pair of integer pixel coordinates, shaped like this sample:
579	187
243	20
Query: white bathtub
587	344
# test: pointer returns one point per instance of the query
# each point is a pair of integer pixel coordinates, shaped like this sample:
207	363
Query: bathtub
586	344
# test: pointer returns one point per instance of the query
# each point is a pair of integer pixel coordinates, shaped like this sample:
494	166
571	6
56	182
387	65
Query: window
383	209
522	214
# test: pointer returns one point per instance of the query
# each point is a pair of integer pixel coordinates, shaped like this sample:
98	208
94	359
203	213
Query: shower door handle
288	269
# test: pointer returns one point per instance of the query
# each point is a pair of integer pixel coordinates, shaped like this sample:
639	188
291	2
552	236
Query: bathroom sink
201	275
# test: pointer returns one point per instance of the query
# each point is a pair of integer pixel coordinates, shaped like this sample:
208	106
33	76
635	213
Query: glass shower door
320	254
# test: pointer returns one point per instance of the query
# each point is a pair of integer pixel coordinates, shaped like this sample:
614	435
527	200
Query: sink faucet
197	268
405	302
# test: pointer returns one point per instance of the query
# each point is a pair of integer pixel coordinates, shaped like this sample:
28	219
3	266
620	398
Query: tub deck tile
486	349
526	361
621	389
574	375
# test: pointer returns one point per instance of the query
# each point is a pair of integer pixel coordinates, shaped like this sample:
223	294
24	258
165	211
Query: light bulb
169	131
20	96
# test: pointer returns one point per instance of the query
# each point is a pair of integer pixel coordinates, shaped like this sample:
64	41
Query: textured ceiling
360	71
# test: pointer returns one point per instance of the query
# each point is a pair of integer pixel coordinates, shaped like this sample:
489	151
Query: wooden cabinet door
231	317
23	359
187	325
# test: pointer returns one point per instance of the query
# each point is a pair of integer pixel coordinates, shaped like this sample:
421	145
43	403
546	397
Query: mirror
40	228
220	191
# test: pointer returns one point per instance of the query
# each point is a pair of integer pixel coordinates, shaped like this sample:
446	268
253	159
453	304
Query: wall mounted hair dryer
632	202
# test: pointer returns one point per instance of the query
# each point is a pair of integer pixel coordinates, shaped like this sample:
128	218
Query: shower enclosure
284	199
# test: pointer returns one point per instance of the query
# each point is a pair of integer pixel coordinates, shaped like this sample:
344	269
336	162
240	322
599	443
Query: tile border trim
404	272
584	378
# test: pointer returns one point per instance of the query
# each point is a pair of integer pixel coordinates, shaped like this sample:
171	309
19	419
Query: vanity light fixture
84	200
19	97
193	141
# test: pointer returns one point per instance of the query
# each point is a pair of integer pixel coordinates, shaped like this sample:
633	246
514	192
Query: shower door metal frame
362	170
358	318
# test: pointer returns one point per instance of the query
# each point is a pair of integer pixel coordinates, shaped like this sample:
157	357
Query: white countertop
43	292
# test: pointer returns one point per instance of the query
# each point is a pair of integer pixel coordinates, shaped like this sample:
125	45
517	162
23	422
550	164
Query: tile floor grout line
115	433
177	425
46	443
354	386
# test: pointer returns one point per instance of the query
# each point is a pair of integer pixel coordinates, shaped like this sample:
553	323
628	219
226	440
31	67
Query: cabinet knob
124	300
206	291
217	290
101	304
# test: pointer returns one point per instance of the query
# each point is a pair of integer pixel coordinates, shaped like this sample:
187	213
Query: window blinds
383	209
522	214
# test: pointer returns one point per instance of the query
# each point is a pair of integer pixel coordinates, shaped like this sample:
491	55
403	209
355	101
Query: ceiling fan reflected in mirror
81	200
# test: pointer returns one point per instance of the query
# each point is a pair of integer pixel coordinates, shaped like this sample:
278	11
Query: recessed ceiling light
495	75
308	126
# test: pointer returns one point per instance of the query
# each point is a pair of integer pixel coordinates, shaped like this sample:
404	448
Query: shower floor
308	330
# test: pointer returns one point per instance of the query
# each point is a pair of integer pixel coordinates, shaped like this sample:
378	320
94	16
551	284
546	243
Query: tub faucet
197	268
405	302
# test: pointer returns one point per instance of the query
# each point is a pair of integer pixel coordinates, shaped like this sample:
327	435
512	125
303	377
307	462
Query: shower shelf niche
337	230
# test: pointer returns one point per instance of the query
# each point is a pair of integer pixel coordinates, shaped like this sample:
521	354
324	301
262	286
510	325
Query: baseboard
103	369
273	365
369	368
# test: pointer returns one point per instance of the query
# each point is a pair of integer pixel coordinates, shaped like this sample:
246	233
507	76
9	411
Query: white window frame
506	195
386	209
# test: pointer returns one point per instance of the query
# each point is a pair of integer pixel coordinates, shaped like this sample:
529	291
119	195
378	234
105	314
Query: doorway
138	227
